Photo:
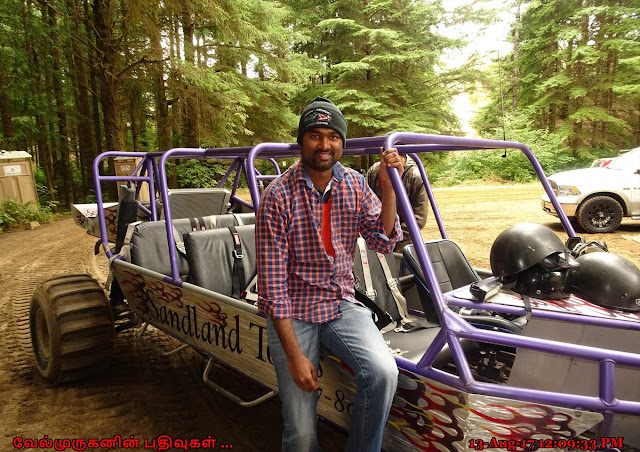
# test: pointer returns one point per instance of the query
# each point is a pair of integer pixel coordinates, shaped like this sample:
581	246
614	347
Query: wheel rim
600	215
42	336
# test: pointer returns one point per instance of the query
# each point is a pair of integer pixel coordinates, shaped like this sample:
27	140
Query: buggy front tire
72	330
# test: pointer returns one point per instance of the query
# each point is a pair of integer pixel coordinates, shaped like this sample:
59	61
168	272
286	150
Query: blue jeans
356	341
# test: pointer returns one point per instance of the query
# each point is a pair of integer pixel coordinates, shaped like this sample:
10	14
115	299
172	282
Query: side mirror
637	171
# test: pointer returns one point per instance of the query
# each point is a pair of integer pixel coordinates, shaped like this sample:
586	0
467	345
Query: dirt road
145	395
142	394
474	216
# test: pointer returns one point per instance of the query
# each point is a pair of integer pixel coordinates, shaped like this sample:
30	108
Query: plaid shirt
296	276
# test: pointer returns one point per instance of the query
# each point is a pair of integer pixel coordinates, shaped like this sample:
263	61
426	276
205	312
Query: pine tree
380	63
577	73
241	70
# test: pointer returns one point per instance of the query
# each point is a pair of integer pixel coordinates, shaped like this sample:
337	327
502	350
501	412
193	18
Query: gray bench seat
211	260
212	257
148	245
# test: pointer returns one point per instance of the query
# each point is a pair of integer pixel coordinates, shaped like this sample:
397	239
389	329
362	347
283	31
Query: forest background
79	77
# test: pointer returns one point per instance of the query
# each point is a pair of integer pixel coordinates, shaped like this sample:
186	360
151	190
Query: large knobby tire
599	214
72	331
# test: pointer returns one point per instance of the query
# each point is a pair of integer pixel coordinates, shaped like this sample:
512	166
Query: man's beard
317	163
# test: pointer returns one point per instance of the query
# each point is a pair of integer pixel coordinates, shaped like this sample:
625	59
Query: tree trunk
93	82
74	142
108	74
49	114
191	122
6	116
516	54
46	160
637	132
163	127
130	88
86	139
109	83
63	133
33	62
174	37
176	103
580	78
552	69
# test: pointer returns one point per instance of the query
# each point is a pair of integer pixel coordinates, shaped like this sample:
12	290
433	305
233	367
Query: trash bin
16	177
124	167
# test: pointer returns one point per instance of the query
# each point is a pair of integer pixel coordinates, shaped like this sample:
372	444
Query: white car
599	197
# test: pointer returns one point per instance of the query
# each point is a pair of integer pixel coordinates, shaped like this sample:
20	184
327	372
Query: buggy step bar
155	348
229	395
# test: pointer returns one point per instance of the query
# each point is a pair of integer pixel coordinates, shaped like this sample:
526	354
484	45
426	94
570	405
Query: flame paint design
134	289
80	219
429	416
573	305
525	421
344	366
425	414
214	312
144	291
110	214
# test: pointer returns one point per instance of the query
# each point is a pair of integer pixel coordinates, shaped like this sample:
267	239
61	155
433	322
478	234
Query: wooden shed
16	177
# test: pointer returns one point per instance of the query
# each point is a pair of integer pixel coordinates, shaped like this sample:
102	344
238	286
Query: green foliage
14	214
41	184
512	166
577	73
250	67
200	173
381	62
244	77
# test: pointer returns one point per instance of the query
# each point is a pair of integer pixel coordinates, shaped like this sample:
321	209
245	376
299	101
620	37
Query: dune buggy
482	374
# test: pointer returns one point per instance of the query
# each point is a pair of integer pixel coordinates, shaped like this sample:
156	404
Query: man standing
413	184
308	222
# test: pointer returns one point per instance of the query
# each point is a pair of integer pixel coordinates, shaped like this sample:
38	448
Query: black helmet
538	282
608	280
534	259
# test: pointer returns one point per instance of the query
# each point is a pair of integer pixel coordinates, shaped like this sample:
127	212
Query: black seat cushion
226	220
196	202
211	258
149	247
452	269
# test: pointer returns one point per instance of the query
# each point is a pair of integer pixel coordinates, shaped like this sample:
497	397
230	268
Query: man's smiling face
320	149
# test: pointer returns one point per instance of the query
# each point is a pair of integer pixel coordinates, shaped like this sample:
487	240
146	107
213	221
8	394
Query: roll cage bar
152	170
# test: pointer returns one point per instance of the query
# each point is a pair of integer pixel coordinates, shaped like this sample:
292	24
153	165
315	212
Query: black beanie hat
322	113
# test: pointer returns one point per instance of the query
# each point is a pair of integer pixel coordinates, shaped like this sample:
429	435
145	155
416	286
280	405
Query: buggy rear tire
72	330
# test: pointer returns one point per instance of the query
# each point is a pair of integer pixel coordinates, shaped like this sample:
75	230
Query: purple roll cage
152	170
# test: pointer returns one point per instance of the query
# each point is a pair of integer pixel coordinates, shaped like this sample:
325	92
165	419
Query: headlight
567	190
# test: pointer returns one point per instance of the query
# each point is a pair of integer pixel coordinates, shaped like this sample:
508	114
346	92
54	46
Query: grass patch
14	214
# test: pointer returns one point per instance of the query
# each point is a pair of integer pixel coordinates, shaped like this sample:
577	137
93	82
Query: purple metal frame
454	327
152	170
